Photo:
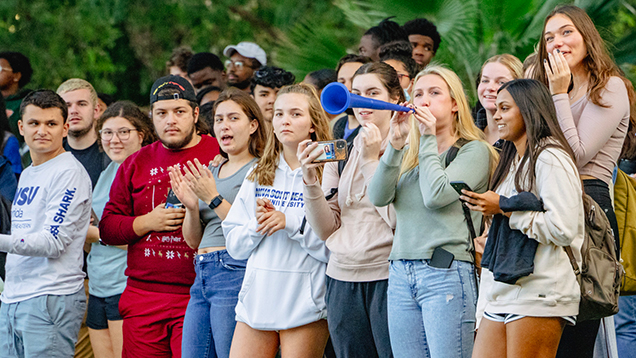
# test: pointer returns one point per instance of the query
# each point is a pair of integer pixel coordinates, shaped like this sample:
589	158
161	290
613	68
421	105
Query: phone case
441	258
459	185
172	201
332	151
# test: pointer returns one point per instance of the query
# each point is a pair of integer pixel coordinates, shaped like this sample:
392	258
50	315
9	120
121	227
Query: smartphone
95	218
172	201
331	151
441	258
459	185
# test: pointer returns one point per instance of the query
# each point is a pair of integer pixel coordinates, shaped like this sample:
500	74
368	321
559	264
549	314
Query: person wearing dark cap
15	73
425	39
243	60
265	85
141	215
205	69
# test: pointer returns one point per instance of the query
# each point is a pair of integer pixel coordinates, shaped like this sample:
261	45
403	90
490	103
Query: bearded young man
160	263
83	109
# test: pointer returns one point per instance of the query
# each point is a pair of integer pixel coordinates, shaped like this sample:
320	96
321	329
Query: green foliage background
121	46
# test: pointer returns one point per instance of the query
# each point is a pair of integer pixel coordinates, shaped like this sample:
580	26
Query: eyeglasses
401	76
239	65
122	134
6	69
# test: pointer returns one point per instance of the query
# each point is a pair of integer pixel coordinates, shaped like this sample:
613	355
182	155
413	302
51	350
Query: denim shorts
101	310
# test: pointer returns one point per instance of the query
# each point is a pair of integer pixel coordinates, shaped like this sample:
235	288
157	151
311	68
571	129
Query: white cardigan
552	290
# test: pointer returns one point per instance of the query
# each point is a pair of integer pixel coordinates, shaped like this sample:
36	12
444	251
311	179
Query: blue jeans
43	326
625	321
209	321
431	310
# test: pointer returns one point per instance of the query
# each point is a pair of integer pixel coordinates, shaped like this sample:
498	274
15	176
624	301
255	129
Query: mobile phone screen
331	151
172	201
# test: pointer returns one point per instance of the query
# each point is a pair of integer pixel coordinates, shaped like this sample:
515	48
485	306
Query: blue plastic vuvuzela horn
335	99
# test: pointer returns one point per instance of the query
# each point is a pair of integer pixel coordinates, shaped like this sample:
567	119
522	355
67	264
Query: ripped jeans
431	310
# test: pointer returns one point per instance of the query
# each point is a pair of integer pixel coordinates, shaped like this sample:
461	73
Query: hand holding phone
172	201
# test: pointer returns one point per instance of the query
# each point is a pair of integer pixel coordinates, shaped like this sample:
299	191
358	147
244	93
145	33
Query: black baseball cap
183	87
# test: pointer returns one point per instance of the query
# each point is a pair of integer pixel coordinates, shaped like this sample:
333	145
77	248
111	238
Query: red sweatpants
153	323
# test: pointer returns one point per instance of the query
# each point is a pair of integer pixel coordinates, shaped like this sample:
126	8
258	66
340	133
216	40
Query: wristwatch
216	202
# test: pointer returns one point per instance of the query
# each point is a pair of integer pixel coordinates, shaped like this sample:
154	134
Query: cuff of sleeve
312	191
520	220
392	157
127	232
292	225
561	97
253	225
426	141
5	242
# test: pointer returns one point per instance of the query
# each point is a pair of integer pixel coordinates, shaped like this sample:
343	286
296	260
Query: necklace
574	93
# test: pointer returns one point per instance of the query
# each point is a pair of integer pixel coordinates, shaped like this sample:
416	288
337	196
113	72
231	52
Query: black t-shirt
93	160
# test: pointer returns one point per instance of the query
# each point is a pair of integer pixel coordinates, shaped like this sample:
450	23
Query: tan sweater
358	234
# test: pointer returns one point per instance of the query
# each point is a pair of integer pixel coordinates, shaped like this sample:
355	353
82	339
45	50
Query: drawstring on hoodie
359	195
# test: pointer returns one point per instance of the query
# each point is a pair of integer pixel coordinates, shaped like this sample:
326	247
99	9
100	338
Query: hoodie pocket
278	299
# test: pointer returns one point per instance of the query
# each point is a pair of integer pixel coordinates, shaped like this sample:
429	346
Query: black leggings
578	341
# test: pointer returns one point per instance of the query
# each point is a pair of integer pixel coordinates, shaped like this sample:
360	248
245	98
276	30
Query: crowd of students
213	231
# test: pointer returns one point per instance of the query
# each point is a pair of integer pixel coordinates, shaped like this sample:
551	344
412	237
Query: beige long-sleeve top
596	133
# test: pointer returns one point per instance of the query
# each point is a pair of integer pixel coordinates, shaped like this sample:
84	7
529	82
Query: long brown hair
265	169
598	61
252	111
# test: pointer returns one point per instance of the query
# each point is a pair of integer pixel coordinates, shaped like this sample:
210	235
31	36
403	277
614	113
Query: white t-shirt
49	220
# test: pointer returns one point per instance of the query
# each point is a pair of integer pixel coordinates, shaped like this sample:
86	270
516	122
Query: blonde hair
76	84
265	169
512	63
462	126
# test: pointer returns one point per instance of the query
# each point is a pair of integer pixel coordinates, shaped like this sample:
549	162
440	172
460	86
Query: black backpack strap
342	163
453	150
450	156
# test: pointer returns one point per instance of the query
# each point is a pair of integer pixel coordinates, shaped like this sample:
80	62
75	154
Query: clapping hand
269	219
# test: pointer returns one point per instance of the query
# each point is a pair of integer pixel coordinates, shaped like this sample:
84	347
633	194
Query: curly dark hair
423	27
202	60
387	31
272	77
20	64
